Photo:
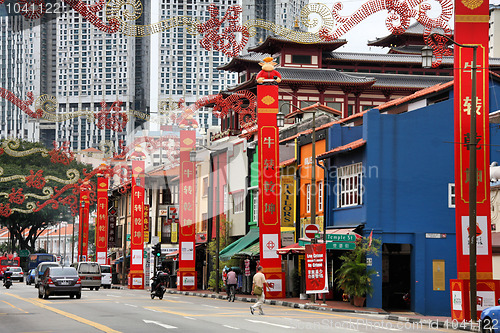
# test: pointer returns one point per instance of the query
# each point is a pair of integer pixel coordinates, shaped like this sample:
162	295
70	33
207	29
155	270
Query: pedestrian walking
232	281
259	282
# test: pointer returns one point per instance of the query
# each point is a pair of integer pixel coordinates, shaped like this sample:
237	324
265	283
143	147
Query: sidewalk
336	306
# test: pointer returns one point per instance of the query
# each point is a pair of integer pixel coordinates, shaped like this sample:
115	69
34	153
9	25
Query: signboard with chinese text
187	211
83	238
269	184
112	230
316	281
101	237
146	223
137	212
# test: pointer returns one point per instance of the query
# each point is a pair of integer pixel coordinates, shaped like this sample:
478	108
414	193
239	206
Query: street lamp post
427	63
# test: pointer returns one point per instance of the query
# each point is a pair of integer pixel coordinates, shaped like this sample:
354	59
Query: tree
26	181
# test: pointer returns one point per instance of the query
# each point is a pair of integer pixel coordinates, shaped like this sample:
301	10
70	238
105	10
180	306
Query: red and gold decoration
471	28
136	280
101	227
187	202
83	234
269	183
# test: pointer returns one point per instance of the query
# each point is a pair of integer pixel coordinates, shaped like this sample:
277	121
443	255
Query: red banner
471	28
269	188
83	234
101	227
316	269
187	214
136	280
146	223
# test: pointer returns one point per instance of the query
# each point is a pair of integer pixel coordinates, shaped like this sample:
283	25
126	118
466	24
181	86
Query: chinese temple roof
407	81
414	35
239	63
382	57
274	44
314	106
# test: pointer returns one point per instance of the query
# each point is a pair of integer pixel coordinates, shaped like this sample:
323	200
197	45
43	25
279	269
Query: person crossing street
259	282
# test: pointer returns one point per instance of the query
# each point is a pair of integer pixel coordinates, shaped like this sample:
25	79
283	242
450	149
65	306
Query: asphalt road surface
134	311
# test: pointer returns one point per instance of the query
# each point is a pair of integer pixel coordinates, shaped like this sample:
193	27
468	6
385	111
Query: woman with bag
259	281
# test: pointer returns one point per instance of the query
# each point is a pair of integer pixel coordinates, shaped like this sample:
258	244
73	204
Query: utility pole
124	271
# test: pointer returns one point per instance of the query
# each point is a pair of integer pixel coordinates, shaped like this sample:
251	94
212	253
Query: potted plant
353	276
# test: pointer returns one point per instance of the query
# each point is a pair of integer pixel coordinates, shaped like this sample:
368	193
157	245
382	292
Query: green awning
229	251
252	251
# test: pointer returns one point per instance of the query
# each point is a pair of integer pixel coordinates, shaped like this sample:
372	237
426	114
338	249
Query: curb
424	322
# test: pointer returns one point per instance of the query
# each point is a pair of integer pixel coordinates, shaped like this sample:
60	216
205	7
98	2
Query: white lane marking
113	296
267	323
152	310
234	328
173	296
158	323
210	306
132	305
190	318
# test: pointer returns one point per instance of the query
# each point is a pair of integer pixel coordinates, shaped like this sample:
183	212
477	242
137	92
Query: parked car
90	274
60	281
17	273
30	276
40	269
106	276
490	319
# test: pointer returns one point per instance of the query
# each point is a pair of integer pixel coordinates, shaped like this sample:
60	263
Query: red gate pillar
83	233
471	28
269	189
101	228
187	191
136	276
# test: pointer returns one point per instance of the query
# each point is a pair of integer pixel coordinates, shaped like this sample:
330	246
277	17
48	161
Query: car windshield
15	269
89	268
62	271
44	267
105	269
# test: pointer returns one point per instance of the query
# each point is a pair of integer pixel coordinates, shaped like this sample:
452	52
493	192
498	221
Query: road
134	311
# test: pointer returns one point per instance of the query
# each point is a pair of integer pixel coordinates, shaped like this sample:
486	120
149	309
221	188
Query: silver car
41	268
17	273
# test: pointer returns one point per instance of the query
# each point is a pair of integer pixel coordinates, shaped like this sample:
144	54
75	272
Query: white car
106	276
17	273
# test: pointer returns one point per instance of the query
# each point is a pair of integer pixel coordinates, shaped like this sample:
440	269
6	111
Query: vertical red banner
146	223
472	28
315	269
269	188
83	234
101	227
136	280
187	217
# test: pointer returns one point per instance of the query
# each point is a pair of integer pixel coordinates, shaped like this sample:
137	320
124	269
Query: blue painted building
393	173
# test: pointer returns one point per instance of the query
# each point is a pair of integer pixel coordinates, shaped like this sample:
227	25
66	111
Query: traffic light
157	250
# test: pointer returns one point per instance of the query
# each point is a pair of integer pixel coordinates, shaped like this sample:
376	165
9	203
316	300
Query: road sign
311	230
338	238
340	246
24	253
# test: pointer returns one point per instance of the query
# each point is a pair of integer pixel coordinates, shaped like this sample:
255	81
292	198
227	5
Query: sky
373	27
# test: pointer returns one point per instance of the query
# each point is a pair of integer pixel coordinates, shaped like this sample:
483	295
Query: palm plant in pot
354	276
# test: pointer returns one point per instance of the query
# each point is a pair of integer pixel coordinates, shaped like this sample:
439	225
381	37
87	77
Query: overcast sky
372	27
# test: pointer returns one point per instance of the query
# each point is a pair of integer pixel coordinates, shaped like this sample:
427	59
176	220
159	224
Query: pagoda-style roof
274	44
379	58
414	35
317	106
240	63
404	82
406	49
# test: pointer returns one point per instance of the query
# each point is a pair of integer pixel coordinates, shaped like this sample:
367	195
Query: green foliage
353	276
35	223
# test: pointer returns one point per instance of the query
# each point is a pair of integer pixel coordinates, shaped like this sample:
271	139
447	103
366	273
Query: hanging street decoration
61	154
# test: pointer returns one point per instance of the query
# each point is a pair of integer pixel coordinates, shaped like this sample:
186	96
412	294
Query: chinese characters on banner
187	214
83	234
146	223
101	237
136	234
315	269
112	228
471	27
269	187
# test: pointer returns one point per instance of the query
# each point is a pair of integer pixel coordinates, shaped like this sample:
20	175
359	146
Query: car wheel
21	279
72	296
79	295
486	325
46	294
91	288
96	288
39	294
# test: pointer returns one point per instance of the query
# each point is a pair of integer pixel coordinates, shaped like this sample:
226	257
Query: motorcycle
159	285
7	279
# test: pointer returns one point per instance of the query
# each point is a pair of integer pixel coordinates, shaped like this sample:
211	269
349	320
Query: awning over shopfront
249	239
293	248
251	251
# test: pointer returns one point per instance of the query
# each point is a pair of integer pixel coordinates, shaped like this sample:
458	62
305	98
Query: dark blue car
30	277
